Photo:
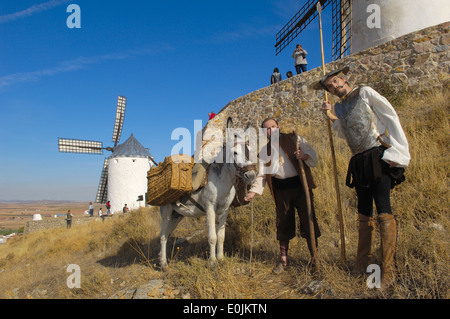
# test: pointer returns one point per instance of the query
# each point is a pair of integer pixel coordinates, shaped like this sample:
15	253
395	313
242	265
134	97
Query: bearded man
280	169
380	152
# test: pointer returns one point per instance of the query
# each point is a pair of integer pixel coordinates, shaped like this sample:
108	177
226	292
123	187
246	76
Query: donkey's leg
212	236
166	211
169	221
221	234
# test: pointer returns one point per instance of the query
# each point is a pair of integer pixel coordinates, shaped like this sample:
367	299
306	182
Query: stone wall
414	63
51	222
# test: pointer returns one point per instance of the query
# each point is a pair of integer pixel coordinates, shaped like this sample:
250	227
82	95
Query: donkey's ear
229	122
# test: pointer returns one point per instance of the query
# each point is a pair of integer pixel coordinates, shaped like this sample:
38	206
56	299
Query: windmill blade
68	145
120	114
342	29
102	191
297	24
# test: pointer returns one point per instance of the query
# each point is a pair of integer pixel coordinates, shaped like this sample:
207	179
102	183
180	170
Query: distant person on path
299	56
276	76
289	74
380	152
286	187
108	207
125	209
100	214
91	210
69	219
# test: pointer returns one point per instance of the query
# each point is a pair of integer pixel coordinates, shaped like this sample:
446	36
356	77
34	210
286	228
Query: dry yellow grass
123	251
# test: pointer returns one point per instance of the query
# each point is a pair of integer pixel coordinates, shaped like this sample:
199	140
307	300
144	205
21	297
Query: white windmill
396	18
361	24
124	176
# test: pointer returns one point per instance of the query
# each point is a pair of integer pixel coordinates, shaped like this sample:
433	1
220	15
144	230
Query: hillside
118	257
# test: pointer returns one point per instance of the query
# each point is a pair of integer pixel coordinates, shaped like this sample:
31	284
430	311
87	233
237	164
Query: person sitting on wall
275	77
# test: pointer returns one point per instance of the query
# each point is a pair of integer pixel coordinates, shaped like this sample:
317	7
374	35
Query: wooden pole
333	154
312	235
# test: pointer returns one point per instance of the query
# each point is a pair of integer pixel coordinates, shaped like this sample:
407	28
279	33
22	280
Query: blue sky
175	61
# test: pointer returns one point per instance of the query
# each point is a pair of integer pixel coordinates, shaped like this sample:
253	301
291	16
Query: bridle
242	170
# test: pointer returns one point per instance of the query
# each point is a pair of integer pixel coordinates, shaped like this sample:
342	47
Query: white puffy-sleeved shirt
387	122
281	168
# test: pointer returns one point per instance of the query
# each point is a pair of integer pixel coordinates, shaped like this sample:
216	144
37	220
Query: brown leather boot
365	238
388	233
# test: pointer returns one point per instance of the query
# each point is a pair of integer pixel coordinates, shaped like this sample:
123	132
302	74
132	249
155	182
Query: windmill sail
120	114
341	20
68	145
297	24
342	29
102	190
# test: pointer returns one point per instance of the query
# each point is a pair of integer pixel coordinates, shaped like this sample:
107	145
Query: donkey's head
239	153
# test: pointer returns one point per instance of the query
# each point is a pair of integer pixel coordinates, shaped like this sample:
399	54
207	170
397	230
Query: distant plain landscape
15	214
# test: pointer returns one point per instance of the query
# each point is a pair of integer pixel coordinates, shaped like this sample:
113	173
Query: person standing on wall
299	56
380	152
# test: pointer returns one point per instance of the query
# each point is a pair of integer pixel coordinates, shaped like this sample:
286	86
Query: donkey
213	199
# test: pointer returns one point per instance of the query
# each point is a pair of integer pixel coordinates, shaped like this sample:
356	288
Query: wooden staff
333	155
305	185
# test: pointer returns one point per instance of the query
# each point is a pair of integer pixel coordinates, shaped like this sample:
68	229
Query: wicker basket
169	180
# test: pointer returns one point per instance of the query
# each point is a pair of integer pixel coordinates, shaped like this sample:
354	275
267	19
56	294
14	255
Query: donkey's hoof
164	267
213	263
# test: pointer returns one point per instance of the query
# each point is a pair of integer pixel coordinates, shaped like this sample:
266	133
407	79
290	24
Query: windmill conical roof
131	148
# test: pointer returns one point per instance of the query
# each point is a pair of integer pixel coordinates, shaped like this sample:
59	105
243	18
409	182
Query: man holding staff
380	152
281	169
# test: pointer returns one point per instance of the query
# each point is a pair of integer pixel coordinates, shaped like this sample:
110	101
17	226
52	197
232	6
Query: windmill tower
124	176
127	175
361	24
397	18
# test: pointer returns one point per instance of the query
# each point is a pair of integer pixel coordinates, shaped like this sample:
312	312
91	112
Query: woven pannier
169	180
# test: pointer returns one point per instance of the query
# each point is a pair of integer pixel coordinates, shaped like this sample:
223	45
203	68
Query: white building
127	175
379	21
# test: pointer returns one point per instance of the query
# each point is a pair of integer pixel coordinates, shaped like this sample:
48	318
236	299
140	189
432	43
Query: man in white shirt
279	168
380	151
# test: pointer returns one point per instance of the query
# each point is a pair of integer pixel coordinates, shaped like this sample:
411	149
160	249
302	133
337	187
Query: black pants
289	198
373	180
380	192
